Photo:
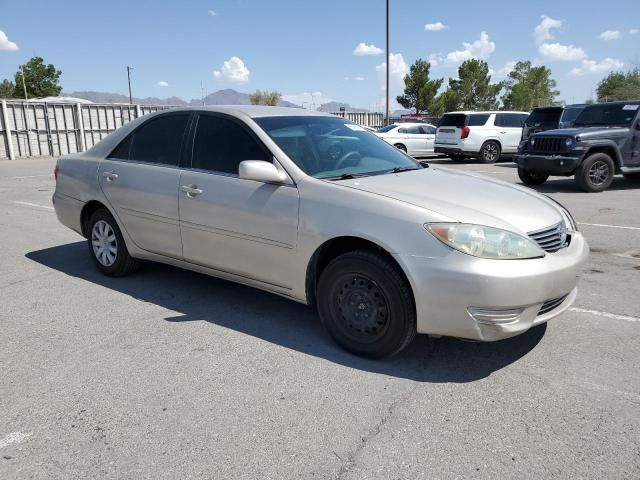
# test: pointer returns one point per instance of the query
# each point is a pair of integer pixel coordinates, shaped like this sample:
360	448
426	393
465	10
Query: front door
237	226
140	179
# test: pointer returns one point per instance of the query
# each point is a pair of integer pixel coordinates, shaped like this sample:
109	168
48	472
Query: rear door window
428	130
478	119
513	120
158	140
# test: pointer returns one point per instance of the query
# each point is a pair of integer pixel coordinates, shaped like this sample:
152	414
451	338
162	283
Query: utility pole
202	89
129	79
386	116
24	85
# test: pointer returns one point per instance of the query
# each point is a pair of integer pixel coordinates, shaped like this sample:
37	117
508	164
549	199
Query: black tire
596	172
532	177
632	176
366	304
400	146
490	152
101	228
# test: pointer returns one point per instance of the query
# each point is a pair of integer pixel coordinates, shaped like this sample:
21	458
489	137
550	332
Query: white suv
485	135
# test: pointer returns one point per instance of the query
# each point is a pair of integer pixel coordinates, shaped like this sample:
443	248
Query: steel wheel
104	243
363	308
599	173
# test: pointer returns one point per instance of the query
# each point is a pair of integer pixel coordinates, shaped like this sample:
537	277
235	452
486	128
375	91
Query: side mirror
261	171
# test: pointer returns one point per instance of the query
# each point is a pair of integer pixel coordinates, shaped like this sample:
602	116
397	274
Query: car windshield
386	129
334	148
613	115
570	114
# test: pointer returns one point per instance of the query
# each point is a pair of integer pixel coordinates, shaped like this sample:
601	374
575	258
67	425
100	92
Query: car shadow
201	298
568	185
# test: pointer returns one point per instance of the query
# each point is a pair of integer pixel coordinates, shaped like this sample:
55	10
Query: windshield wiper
344	176
401	169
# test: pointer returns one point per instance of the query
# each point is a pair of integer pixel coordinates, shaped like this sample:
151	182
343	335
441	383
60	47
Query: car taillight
55	172
464	133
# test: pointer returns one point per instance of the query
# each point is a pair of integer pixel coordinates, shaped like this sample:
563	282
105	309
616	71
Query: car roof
469	112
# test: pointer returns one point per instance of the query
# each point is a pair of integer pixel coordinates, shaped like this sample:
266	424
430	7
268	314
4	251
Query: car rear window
544	115
477	119
453	120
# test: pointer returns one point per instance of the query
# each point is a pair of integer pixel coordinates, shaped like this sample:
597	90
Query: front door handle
110	176
503	133
191	190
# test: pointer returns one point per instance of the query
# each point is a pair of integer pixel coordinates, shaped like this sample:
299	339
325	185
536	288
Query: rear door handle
110	176
191	190
503	133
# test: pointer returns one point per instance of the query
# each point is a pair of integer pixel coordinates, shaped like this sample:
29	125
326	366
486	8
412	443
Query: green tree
419	90
528	87
6	89
41	80
265	98
620	86
473	87
447	101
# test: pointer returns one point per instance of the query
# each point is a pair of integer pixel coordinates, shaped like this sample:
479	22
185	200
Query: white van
485	135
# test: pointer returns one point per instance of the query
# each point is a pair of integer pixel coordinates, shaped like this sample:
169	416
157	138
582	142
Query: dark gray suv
604	140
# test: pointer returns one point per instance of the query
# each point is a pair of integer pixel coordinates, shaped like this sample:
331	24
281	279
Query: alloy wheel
598	173
490	152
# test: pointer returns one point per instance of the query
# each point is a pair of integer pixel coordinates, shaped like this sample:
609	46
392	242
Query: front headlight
532	141
485	242
568	142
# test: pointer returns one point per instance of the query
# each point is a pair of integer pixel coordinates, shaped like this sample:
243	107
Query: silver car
314	208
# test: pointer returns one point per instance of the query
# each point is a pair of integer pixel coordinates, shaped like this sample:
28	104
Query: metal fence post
80	121
7	130
138	115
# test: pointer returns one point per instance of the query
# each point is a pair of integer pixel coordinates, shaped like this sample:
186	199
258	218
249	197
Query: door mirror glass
261	171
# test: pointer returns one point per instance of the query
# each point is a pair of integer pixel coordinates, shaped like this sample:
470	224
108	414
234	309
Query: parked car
382	246
604	140
416	139
482	135
550	118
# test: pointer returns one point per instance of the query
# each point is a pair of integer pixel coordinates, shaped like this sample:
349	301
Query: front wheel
107	246
490	152
596	172
532	177
366	304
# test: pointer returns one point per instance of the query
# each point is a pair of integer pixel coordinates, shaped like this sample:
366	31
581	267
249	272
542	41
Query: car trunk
449	128
541	119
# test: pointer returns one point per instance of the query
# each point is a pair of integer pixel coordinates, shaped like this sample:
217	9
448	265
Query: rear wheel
366	304
596	172
107	246
400	146
490	152
532	177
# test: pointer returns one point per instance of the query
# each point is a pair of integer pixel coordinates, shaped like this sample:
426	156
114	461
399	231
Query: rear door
140	180
414	139
509	128
449	128
230	224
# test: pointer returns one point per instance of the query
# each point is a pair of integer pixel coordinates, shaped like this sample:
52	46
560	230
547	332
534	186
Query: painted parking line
29	204
33	176
622	227
598	313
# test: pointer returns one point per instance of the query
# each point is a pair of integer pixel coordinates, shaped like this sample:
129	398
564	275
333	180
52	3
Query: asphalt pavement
169	374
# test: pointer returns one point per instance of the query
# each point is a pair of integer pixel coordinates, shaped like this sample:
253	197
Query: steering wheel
349	160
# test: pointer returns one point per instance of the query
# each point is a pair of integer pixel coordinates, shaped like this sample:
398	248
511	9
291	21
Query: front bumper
551	164
446	289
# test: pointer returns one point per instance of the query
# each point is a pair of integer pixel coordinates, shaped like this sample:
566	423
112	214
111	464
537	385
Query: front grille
551	239
551	304
549	144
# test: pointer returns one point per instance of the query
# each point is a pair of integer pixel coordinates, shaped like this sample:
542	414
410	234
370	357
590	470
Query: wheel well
492	140
397	144
85	215
334	248
605	149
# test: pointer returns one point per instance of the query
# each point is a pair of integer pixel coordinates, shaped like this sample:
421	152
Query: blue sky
299	47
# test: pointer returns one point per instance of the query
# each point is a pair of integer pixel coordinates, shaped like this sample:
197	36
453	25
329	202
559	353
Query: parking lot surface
172	374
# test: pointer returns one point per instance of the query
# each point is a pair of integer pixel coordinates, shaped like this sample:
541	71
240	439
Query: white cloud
542	32
398	70
507	68
346	79
358	79
634	31
481	48
565	53
212	13
435	59
307	99
364	49
434	27
162	83
233	70
591	66
610	35
5	44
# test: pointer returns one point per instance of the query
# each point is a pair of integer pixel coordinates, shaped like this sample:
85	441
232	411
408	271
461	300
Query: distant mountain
332	107
221	97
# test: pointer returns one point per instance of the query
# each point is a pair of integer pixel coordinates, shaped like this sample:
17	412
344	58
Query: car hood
589	133
465	198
